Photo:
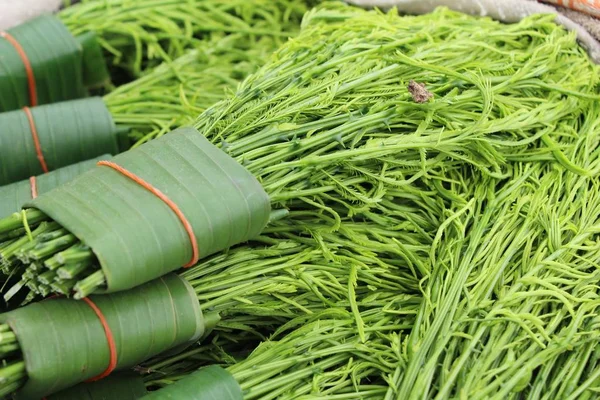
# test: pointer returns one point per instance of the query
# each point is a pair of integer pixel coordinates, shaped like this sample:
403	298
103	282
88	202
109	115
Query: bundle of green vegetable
155	181
42	62
39	140
89	339
329	121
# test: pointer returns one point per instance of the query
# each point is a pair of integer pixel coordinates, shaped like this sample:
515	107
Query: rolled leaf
68	132
136	236
15	195
121	386
210	383
64	343
56	61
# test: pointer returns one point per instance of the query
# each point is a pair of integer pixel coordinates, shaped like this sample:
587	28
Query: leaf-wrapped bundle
42	63
135	234
64	342
48	137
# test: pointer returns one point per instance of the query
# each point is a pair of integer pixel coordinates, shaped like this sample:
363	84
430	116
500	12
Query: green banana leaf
63	341
134	234
56	60
121	386
210	383
95	70
68	132
15	195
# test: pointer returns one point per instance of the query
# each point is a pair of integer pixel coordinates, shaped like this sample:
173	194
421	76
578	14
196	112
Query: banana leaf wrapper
63	341
134	234
120	386
95	70
15	195
62	65
68	132
210	383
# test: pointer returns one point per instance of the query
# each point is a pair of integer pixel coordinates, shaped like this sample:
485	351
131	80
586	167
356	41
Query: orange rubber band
112	364
30	76
36	139
167	201
33	184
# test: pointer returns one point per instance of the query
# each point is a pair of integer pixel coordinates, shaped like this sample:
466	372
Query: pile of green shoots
508	289
329	121
479	208
507	311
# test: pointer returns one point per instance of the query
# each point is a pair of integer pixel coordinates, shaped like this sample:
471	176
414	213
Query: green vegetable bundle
44	63
48	137
90	339
156	180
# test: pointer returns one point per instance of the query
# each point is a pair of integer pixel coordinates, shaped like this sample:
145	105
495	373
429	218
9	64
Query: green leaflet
68	132
56	60
210	383
134	234
63	342
123	386
15	195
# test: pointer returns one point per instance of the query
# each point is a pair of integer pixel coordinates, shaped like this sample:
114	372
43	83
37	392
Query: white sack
14	12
